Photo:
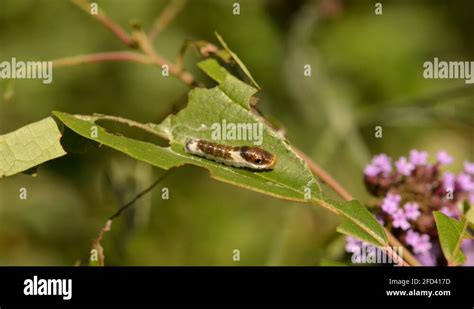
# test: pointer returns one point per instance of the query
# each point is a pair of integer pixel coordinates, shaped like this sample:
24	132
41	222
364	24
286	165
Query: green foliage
29	146
451	233
236	90
237	60
330	116
229	101
360	223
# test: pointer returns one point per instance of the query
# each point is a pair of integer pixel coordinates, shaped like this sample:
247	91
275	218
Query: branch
166	17
108	225
324	176
121	34
146	46
102	57
139	39
203	47
139	195
96	242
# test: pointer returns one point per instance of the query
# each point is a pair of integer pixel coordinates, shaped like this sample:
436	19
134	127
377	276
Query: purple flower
449	181
465	182
412	237
469	167
420	242
390	203
371	170
448	212
412	210
426	259
424	244
442	157
418	157
429	258
400	220
471	198
353	244
404	167
381	163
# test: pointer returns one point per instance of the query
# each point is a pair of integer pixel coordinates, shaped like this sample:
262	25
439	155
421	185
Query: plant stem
108	225
139	195
139	40
96	242
324	176
166	17
102	57
146	46
108	23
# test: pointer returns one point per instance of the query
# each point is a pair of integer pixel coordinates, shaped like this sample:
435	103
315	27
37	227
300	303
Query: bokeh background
366	72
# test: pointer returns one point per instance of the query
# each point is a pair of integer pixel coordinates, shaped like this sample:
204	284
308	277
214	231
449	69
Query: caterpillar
240	156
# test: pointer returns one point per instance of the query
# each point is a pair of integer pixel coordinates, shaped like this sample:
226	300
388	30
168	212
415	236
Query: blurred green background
366	72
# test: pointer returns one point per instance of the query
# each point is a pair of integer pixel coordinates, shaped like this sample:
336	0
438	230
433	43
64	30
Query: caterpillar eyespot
249	157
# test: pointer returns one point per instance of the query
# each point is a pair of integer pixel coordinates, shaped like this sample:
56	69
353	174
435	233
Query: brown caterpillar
241	156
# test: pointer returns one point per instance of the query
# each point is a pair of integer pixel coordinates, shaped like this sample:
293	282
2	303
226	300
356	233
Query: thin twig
96	242
166	17
108	23
139	195
392	240
146	46
324	176
102	57
139	39
108	225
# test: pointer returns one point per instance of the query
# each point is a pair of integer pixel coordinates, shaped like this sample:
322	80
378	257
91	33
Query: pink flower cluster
400	215
409	191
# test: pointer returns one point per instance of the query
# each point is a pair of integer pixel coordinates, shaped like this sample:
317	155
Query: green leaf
234	88
450	233
29	146
84	125
348	227
229	102
226	102
237	60
360	223
212	68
